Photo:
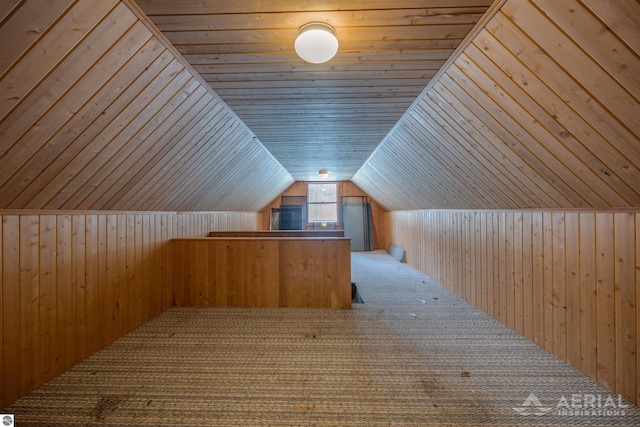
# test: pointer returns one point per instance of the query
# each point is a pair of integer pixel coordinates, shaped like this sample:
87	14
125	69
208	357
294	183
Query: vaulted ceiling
203	105
312	116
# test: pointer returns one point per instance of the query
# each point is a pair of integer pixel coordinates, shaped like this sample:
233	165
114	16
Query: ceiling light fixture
316	42
323	173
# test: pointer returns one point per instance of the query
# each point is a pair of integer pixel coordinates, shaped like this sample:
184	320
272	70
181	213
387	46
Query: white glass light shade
323	173
316	42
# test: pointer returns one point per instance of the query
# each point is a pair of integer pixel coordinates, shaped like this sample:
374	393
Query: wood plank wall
567	280
73	283
345	188
263	272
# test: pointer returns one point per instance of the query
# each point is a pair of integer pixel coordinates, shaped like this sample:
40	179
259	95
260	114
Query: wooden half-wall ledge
262	272
278	233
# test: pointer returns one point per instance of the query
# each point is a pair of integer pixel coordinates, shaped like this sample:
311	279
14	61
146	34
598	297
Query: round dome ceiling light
316	42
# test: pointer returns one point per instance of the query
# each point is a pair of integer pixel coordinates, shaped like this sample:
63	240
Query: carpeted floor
413	354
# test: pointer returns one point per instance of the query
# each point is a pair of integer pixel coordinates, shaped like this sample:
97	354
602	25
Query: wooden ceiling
538	108
330	115
541	110
97	112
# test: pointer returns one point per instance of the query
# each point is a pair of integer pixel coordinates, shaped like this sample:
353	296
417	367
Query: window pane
323	212
321	192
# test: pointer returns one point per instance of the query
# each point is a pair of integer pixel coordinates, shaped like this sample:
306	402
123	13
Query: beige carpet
412	354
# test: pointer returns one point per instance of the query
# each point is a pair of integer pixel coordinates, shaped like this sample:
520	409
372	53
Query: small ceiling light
316	42
323	173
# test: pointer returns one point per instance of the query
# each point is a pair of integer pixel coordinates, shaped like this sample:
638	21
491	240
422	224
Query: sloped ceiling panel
98	113
541	110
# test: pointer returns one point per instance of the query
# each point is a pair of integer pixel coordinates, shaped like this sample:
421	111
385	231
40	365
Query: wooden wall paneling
121	276
517	173
482	257
180	154
468	158
556	127
625	305
148	270
288	276
91	281
111	283
530	314
480	153
148	138
637	230
199	295
266	273
28	309
476	266
102	286
2	381
605	305
515	117
64	296
547	280
79	285
490	261
223	170
47	45
196	155
212	182
588	295
47	297
24	19
573	276
280	274
473	134
7	7
10	300
86	98
21	137
473	274
573	288
219	261
152	147
501	270
575	61
558	287
566	87
120	147
518	273
198	120
65	146
237	257
75	172
622	17
539	303
534	171
435	159
481	88
509	272
582	28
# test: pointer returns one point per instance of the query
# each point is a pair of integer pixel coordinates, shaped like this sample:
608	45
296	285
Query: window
322	199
